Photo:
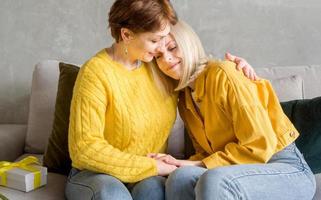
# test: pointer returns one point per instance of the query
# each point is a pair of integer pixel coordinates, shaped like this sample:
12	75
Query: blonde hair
164	83
194	59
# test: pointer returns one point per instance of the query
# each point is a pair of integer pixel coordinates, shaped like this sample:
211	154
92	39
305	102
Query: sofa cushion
12	138
309	73
306	117
41	108
56	157
288	88
176	141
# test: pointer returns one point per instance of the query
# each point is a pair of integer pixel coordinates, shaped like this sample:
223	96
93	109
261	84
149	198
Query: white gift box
23	180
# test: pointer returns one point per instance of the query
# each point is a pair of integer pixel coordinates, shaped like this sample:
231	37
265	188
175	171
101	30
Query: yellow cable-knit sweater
117	117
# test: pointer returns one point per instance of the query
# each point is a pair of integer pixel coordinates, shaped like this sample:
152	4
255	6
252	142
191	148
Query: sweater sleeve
256	139
87	145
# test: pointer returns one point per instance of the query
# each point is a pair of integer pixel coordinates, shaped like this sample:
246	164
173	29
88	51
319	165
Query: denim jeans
285	176
88	185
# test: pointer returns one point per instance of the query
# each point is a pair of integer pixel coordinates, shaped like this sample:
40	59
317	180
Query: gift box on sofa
24	175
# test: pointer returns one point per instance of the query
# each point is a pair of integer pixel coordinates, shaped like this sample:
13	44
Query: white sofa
20	140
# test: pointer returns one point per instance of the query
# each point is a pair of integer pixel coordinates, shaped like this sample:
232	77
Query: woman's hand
242	64
168	159
164	169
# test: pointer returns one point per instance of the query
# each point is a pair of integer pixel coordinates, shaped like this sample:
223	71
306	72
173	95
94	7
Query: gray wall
266	33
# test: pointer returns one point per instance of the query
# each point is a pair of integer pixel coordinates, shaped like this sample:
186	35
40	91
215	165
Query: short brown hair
140	16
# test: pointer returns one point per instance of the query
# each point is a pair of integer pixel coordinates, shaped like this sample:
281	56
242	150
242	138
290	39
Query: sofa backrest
298	81
311	76
42	105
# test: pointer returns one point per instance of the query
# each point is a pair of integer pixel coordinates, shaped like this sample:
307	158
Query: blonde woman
244	142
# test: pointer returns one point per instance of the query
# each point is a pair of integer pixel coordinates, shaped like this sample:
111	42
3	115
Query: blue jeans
285	176
88	185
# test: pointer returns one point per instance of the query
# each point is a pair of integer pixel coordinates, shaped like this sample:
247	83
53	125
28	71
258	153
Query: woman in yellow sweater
118	115
244	142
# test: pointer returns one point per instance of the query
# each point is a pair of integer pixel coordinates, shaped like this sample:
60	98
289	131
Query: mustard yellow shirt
239	121
117	117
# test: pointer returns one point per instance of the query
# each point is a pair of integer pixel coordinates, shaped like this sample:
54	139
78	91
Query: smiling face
144	46
169	60
183	57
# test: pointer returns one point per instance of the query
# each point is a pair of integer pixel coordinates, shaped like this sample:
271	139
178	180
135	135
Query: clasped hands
166	164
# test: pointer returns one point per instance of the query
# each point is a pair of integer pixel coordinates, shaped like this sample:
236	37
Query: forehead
163	32
169	38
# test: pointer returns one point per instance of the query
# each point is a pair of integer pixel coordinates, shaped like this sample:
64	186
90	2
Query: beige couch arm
12	141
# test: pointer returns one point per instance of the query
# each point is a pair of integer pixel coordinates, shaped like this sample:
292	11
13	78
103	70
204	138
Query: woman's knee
217	182
215	175
180	183
187	173
149	188
90	185
151	183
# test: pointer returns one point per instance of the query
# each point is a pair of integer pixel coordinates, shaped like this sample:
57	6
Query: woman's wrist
199	163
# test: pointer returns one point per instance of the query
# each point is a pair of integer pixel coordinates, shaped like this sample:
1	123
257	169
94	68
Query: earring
126	51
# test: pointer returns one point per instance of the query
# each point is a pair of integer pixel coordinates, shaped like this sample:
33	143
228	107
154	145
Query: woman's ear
126	34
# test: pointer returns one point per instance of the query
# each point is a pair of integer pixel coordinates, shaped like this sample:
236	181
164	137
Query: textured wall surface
267	33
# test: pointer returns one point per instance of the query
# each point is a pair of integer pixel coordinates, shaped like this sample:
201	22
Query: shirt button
292	134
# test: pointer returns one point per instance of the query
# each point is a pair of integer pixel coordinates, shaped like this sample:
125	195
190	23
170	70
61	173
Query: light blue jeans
87	185
285	176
